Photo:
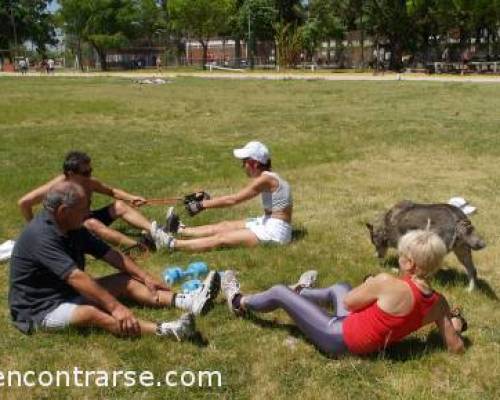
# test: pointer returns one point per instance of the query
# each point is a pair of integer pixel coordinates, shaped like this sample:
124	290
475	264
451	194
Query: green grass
349	149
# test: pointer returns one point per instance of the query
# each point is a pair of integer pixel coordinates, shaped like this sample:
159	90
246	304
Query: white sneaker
230	287
306	280
200	301
182	328
161	238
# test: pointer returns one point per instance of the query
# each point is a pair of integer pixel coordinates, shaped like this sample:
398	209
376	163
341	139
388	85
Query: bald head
63	194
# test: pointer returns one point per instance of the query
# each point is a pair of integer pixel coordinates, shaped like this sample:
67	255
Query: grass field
349	149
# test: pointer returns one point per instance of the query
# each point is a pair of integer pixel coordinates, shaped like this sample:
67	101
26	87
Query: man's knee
93	225
118	208
88	315
117	283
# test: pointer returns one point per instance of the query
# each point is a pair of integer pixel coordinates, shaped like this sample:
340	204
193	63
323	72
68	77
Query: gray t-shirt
42	259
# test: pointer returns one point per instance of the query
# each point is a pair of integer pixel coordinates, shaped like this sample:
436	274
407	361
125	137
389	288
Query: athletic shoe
182	328
230	287
161	239
147	242
202	300
306	280
173	222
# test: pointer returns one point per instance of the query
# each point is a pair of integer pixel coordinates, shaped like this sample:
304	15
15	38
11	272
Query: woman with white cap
272	227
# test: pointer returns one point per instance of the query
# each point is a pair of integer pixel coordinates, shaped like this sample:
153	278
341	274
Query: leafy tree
107	24
201	19
291	11
22	20
324	23
388	20
289	43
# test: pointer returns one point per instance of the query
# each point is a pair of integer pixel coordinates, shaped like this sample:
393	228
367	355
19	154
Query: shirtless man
77	168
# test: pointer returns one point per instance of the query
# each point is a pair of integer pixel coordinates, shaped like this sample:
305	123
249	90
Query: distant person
43	66
77	167
23	66
445	56
375	315
50	66
158	63
50	290
274	226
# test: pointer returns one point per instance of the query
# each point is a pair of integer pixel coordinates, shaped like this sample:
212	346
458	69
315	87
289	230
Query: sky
53	6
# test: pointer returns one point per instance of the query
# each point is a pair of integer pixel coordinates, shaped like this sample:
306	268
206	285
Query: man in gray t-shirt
49	288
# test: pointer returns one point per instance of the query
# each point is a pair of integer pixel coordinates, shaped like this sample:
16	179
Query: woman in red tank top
381	311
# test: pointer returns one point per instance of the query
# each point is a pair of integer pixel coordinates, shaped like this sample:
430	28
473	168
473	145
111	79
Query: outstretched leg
120	209
240	237
108	234
122	285
333	295
312	320
211	230
92	316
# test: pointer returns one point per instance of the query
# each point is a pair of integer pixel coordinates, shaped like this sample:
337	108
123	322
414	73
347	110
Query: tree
289	44
324	23
256	19
387	20
201	19
23	20
107	24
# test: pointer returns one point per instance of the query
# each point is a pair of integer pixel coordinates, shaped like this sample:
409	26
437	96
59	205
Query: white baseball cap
255	150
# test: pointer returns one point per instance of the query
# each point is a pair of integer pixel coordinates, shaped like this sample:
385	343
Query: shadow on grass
414	348
291	329
299	233
411	348
453	277
197	339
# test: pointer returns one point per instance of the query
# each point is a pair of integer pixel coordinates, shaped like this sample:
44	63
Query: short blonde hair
425	248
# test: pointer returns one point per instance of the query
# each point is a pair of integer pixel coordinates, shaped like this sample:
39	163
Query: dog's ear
370	227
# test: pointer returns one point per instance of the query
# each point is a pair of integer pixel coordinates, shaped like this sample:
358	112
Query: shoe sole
213	291
168	223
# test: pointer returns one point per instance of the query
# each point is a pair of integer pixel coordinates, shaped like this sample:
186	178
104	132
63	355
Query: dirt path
277	76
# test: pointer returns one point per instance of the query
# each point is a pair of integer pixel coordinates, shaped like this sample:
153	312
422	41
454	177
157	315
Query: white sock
183	301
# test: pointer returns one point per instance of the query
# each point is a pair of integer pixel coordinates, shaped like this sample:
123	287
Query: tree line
405	27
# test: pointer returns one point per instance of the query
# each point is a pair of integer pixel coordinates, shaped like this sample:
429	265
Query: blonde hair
425	248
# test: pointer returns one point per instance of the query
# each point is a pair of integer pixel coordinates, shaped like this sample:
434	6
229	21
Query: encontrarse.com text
83	378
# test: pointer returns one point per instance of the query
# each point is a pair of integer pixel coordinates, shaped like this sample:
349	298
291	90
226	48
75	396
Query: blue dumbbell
191	286
172	275
196	270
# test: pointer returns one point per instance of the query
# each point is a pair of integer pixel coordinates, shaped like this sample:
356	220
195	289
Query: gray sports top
281	198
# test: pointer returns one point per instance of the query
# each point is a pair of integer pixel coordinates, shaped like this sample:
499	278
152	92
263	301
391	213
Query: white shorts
269	229
60	317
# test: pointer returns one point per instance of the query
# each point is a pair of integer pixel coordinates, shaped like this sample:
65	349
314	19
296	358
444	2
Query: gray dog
449	222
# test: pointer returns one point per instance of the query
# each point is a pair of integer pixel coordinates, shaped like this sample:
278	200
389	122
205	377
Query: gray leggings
322	329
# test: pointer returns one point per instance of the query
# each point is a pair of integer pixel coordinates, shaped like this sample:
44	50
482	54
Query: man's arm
34	197
89	288
118	194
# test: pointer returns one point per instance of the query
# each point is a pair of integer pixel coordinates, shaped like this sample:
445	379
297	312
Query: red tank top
372	329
